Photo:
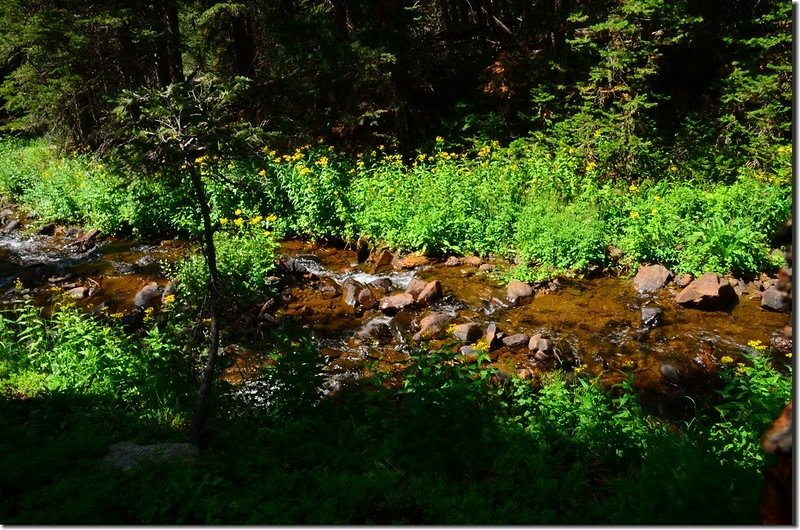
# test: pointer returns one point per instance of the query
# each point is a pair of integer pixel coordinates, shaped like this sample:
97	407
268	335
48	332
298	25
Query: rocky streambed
368	311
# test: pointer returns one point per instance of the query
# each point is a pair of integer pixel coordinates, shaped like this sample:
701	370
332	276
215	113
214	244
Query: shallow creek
594	325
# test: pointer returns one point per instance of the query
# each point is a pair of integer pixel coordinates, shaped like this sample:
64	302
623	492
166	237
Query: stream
597	326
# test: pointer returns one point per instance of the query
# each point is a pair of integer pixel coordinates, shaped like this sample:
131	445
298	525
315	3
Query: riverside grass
547	210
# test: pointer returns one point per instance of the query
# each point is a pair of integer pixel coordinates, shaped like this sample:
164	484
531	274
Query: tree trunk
168	53
210	253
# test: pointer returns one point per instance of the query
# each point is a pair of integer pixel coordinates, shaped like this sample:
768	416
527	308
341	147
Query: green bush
245	255
71	352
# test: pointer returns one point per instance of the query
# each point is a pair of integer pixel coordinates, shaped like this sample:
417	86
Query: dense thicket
630	84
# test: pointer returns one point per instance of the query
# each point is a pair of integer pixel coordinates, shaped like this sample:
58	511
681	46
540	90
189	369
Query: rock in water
517	291
515	341
651	316
774	299
707	292
378	328
651	278
469	332
147	295
671	374
392	304
431	293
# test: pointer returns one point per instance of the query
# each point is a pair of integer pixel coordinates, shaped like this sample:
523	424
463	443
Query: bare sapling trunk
201	407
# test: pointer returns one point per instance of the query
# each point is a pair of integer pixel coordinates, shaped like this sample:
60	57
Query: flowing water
595	325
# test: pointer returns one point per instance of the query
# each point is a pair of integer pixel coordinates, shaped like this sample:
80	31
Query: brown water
595	324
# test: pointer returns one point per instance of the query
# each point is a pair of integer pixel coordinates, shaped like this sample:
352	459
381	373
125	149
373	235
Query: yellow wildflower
238	211
170	298
654	211
200	160
272	218
439	139
322	162
262	172
255	220
634	214
657	198
579	369
116	315
223	221
756	345
726	359
741	369
673	168
633	188
590	166
238	221
597	132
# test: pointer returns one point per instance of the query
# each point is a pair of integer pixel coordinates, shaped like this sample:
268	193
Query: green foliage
751	398
245	256
450	446
558	238
70	352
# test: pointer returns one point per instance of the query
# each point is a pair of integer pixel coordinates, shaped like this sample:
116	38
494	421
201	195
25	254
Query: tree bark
201	407
168	54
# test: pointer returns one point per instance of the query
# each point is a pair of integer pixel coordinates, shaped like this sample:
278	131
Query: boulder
517	291
78	293
515	341
147	295
328	288
382	284
351	290
774	299
683	280
537	343
411	261
362	249
706	292
486	267
169	289
490	336
11	225
128	455
431	293
473	261
47	230
468	332
415	287
366	299
378	328
432	325
383	259
651	316
453	261
292	266
671	374
651	278
392	304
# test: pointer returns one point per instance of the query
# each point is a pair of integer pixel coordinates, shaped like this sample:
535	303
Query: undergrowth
453	445
547	209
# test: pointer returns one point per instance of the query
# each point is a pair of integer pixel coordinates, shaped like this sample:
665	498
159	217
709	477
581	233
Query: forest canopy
631	85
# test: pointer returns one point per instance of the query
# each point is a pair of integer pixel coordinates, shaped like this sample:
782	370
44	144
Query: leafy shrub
71	352
245	256
558	238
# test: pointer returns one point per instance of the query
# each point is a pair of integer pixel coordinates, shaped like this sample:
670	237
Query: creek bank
370	311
